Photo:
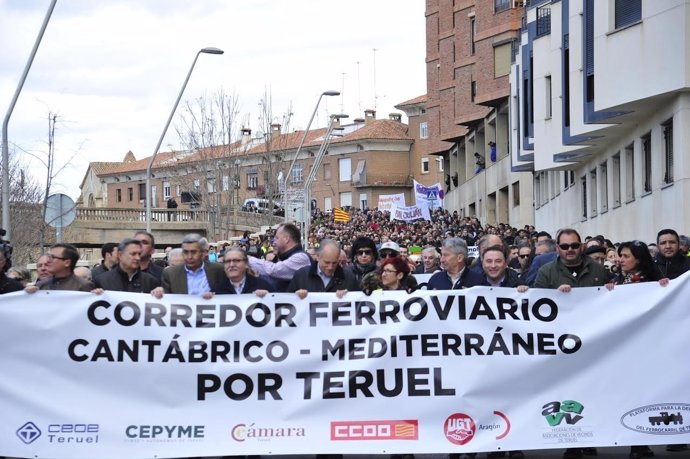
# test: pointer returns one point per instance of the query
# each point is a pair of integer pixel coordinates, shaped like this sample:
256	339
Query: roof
416	101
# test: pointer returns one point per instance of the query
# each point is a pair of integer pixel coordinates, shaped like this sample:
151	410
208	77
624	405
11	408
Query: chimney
275	128
246	136
395	117
369	115
358	120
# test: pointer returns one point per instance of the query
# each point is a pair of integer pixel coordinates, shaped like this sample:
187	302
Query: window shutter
628	12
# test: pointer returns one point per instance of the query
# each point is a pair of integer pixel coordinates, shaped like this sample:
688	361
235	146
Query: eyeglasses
364	252
524	256
390	271
52	257
573	246
235	260
388	254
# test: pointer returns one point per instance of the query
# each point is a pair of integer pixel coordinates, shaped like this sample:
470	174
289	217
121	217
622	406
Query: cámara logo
659	419
243	432
28	433
459	428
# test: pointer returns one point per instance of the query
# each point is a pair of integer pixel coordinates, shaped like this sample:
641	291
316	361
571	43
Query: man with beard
669	259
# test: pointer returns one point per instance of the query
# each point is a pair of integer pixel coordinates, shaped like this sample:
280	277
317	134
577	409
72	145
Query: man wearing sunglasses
571	268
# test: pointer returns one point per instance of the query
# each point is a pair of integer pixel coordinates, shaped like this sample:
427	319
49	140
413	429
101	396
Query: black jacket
251	284
8	285
118	280
511	279
674	266
308	278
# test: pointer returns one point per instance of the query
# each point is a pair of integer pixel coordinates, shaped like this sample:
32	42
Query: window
516	194
501	5
473	90
616	179
547	96
345	169
628	12
363	201
130	194
629	173
252	181
440	164
537	190
425	165
583	202
142	191
327	171
197	185
211	185
667	129
646	144
297	174
177	190
327	204
345	199
543	20
423	130
118	195
154	196
226	182
166	190
473	34
502	59
603	187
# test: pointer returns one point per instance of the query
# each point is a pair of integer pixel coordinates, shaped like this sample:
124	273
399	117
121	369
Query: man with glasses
239	280
571	268
194	277
148	247
63	260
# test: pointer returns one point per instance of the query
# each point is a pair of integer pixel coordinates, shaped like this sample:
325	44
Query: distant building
469	49
601	110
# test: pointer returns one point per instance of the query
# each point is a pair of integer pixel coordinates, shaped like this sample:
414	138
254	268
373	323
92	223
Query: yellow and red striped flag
339	215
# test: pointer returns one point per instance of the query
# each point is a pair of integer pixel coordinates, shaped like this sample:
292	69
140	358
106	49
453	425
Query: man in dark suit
194	277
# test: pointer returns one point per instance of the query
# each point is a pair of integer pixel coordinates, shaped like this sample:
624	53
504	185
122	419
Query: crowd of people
368	253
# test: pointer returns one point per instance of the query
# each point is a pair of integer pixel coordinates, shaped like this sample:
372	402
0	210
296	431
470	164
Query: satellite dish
60	210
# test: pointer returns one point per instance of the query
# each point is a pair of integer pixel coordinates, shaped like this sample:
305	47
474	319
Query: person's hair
496	248
543	233
327	242
684	240
70	252
236	250
645	262
177	251
122	246
456	244
563	231
484	241
23	274
149	235
292	231
194	238
430	248
108	248
667	231
524	245
364	242
549	243
398	263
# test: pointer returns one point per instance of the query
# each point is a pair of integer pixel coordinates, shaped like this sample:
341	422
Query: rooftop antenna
375	95
359	93
342	93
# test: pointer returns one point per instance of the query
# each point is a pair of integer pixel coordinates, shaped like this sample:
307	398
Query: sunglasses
573	246
364	252
526	256
388	254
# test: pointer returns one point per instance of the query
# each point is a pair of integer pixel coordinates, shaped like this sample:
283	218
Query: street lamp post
165	129
5	143
299	148
236	190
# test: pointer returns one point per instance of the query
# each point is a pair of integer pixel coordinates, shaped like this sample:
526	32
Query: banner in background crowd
387	201
430	196
411	213
482	369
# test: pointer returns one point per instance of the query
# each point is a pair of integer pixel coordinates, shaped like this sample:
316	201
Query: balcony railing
387	180
100	214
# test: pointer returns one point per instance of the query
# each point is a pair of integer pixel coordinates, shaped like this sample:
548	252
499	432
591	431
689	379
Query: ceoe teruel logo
459	428
29	432
375	430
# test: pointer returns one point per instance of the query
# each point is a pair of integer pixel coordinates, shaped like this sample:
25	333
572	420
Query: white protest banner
125	375
387	201
410	214
431	196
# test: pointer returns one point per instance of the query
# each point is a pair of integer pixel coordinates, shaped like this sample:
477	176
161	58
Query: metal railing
139	215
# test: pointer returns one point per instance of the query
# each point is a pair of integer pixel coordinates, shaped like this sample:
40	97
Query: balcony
383	180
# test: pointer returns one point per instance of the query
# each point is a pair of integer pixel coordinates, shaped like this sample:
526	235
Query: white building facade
600	107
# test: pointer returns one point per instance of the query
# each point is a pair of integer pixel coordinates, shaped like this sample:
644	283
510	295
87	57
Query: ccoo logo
28	433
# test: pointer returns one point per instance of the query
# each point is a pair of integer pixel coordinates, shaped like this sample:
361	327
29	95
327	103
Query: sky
111	70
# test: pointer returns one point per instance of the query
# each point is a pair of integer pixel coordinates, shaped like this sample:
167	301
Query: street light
299	148
5	143
165	129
